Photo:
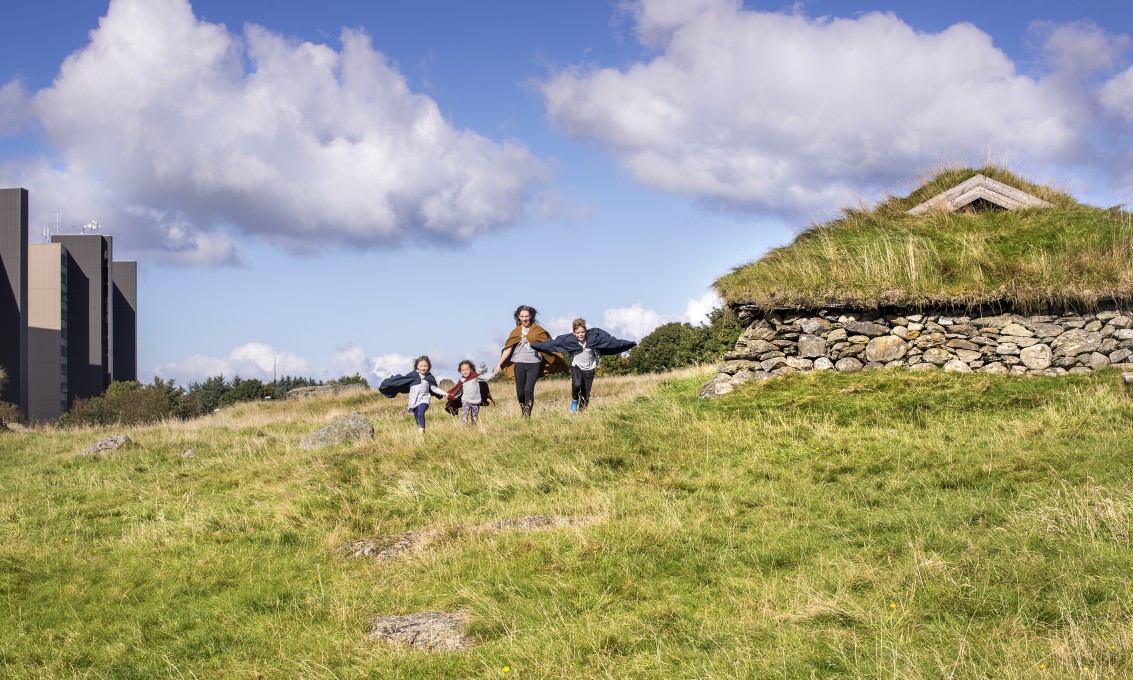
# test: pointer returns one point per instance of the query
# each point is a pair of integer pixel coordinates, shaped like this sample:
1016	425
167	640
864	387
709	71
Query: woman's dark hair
525	308
426	359
470	365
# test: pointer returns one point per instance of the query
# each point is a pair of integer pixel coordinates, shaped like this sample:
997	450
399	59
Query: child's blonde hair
578	323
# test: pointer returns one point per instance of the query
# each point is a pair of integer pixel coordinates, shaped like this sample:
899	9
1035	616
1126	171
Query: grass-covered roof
1070	255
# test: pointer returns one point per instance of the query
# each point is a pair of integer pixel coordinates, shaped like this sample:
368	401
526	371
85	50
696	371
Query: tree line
132	403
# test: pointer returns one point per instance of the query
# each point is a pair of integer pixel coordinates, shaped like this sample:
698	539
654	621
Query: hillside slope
876	524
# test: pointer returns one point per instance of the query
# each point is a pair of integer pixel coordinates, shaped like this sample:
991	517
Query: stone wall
784	343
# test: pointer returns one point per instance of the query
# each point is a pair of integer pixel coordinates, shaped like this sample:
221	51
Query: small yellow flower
1042	666
506	669
892	605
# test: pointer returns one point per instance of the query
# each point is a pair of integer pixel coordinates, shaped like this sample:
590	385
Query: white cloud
633	322
176	133
1117	96
14	107
250	360
559	325
697	311
770	111
386	365
350	361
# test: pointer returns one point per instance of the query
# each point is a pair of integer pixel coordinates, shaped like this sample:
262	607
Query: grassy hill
879	524
1072	254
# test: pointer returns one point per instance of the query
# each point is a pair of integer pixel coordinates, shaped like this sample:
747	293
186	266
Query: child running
419	384
469	393
585	346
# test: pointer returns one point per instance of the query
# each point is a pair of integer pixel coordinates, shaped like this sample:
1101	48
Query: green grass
1070	255
880	524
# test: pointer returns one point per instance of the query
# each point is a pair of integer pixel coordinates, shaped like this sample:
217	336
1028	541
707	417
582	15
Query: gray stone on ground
106	445
325	391
1128	378
386	548
542	522
848	365
188	453
428	631
353	426
717	387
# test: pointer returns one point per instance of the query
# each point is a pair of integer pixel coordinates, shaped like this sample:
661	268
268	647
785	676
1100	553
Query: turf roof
1069	256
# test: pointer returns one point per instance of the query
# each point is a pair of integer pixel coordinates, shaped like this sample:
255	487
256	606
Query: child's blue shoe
574	406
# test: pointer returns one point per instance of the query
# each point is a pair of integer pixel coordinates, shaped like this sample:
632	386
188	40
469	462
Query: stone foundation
780	344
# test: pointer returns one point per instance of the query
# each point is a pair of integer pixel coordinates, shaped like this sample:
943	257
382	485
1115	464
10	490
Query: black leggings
580	383
525	377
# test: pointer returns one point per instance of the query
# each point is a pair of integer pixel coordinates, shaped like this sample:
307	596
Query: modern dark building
47	331
68	314
90	313
125	320
14	295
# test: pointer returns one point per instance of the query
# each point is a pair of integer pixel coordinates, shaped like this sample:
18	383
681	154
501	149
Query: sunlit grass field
883	524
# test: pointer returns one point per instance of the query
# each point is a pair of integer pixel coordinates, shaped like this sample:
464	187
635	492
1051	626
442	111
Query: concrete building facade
14	295
90	313
48	391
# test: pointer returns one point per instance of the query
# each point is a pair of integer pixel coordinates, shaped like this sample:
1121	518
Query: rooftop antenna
47	229
91	227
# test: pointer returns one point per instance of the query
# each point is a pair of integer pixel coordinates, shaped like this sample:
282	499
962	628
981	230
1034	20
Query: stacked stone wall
1058	344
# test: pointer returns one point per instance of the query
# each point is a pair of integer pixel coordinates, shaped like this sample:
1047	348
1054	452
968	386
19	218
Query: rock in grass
106	445
717	387
353	426
541	522
318	391
389	547
1128	378
429	631
188	453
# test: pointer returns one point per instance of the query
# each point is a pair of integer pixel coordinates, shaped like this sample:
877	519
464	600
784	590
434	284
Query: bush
131	403
674	345
355	379
10	414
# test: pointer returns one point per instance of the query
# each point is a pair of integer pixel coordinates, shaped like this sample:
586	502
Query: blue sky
337	187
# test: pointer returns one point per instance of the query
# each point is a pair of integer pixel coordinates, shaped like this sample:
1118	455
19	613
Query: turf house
976	270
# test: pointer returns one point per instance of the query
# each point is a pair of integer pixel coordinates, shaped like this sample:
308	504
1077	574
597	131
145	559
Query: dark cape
400	384
596	339
455	402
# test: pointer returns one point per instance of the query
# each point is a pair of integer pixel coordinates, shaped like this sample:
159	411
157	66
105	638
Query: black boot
525	408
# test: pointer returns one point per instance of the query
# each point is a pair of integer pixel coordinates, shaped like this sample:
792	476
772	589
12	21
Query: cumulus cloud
696	312
250	360
179	134
386	365
14	108
785	113
635	322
